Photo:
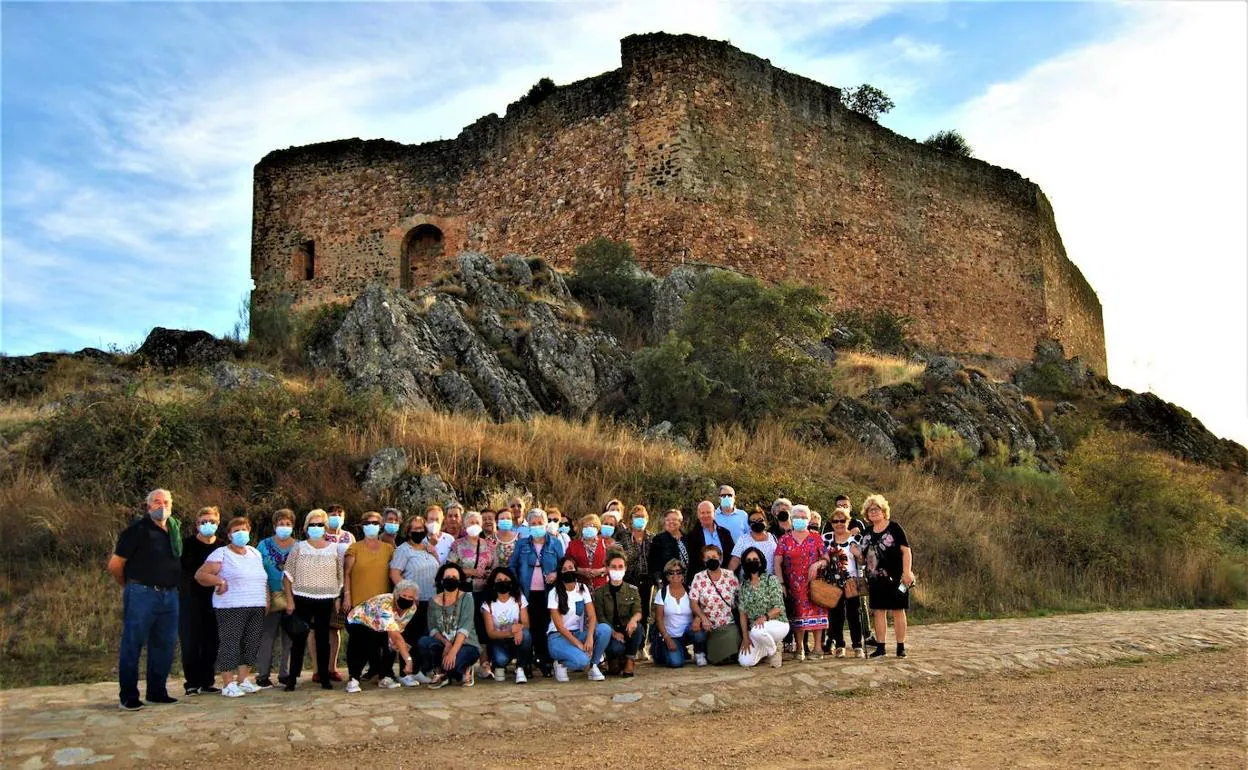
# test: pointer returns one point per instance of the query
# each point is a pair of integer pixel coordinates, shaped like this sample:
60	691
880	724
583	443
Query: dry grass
856	373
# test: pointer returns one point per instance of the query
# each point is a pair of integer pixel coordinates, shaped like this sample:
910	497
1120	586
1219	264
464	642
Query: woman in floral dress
797	553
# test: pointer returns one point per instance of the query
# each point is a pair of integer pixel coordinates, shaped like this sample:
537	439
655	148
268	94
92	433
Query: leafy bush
319	325
272	330
539	92
740	341
1048	379
951	142
605	273
867	100
881	330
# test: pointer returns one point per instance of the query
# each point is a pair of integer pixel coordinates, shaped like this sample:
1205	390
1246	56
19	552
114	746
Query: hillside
1026	487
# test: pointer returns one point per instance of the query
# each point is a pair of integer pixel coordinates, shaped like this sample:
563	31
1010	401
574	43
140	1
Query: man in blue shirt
729	516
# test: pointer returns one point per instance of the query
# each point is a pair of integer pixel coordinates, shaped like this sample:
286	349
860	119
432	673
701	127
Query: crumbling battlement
692	150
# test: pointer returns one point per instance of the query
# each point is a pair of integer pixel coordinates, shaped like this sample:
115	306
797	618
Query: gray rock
659	431
573	367
170	348
626	697
670	294
873	428
457	394
415	492
518	269
1065	407
227	375
384	468
481	280
942	367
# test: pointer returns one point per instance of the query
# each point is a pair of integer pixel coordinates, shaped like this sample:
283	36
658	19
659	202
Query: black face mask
758	526
712	564
450	584
782	516
569	578
502	588
403	604
753	567
416	536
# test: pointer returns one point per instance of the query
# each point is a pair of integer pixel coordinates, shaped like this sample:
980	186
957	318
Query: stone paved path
80	724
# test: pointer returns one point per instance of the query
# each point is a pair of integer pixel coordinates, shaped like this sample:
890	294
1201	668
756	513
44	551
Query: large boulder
1050	373
670	294
385	467
571	367
414	493
171	348
25	376
1175	430
874	428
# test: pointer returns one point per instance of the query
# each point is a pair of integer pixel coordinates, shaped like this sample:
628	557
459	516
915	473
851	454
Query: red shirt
586	560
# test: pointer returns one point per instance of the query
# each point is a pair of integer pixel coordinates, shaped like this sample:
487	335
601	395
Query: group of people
449	595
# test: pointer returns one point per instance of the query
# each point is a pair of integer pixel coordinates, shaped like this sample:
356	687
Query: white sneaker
249	687
859	652
353	685
500	674
520	677
232	690
840	652
594	674
421	678
699	659
410	680
561	672
388	684
776	659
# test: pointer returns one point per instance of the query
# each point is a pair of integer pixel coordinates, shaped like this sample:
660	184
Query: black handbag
294	626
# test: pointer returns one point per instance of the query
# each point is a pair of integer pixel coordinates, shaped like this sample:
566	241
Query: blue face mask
160	514
240	537
801	524
639	523
316	532
335	522
505	525
537	530
608	530
589	533
208	530
371	530
283	531
391	527
725	502
564	529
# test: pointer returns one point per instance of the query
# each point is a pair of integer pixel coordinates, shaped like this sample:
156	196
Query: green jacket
615	610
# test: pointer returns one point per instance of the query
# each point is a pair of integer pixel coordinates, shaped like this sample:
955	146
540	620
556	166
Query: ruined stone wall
695	151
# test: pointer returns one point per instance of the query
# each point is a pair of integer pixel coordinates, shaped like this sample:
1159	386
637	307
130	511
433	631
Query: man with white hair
147	565
729	516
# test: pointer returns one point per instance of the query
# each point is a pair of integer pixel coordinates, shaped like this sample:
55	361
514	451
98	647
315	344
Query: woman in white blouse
240	600
673	620
313	582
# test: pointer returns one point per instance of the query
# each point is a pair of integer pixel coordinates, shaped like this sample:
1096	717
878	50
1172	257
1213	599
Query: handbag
294	626
853	588
825	593
723	643
277	601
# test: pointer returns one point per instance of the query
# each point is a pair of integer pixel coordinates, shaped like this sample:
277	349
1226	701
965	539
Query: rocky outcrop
1050	373
227	375
670	294
499	339
171	348
416	492
1174	429
27	376
385	468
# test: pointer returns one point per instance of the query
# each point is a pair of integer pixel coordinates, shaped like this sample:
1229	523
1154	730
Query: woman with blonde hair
635	545
889	573
313	582
590	553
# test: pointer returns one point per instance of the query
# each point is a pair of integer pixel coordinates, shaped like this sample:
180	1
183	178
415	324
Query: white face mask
552	527
616	575
473	530
434	527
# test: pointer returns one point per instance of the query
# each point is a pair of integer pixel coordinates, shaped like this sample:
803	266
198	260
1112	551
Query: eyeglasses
839	521
675	572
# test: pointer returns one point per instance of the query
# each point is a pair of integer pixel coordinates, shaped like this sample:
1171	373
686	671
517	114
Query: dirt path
1189	711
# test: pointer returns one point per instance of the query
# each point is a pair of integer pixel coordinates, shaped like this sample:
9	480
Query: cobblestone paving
80	724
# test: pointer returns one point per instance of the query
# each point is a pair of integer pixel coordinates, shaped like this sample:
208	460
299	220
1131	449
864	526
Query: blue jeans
630	645
575	658
430	651
149	617
503	650
675	658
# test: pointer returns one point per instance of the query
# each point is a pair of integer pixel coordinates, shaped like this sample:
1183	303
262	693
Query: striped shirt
314	573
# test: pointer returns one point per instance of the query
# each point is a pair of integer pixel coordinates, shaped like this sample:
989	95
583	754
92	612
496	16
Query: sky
128	133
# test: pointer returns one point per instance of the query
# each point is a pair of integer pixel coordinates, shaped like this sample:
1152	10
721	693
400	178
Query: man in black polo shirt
147	564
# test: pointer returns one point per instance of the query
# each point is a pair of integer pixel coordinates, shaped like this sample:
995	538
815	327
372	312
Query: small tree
951	142
539	92
867	100
606	272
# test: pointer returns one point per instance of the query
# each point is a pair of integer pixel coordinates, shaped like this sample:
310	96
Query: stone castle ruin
691	151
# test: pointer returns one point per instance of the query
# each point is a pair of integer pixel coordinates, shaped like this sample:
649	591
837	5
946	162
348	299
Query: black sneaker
131	704
879	652
290	684
190	691
264	683
210	690
164	700
326	684
901	650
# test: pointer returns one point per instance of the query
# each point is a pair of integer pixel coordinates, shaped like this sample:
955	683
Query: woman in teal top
450	650
273	552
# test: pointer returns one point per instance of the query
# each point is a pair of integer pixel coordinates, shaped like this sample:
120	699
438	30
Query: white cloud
1139	143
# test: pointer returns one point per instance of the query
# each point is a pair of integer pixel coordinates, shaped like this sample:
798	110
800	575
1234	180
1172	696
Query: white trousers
766	641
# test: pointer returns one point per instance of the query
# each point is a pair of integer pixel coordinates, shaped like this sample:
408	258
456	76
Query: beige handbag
277	601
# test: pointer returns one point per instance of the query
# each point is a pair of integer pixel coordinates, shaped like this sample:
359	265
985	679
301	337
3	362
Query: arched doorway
422	247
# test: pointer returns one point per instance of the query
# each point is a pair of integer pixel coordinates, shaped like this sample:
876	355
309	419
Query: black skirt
885	596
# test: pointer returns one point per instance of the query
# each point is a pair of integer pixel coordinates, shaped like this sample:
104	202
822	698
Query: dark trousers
430	652
850	609
630	645
197	631
149	618
417	627
539	620
364	645
316	613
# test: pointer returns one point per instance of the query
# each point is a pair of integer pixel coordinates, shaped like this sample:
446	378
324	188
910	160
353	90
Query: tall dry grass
857	372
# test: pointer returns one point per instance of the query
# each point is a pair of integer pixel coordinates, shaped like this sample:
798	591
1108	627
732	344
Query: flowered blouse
761	599
636	556
504	550
380	614
716	597
478	557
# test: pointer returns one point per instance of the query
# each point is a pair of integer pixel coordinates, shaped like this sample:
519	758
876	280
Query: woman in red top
590	553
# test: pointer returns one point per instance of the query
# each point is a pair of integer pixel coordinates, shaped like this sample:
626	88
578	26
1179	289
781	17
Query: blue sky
129	132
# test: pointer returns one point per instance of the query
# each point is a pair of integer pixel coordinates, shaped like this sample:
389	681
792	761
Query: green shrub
671	386
318	326
881	331
605	273
951	142
1049	379
539	92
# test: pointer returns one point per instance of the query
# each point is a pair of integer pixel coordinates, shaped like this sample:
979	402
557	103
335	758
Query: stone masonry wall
693	150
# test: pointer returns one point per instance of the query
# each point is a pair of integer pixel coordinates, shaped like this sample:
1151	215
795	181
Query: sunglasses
839	521
675	572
